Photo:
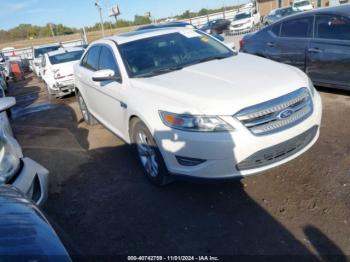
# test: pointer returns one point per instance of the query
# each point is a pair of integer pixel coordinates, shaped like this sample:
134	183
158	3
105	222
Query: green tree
141	20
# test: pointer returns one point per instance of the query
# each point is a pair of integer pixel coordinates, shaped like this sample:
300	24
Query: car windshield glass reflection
66	57
41	51
242	16
166	53
301	3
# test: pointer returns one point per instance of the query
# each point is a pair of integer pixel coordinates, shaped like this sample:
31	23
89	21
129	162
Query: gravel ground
99	197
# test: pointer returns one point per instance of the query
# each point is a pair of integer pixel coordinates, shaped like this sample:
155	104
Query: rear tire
88	118
148	154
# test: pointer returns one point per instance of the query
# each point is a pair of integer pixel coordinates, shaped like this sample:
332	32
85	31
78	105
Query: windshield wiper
210	58
159	71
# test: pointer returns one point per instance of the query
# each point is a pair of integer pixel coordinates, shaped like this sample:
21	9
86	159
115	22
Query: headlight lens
312	88
9	161
194	123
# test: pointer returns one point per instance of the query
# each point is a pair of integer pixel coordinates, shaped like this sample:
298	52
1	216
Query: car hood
223	87
241	21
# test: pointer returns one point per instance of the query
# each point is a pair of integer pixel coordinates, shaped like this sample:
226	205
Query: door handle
314	50
271	44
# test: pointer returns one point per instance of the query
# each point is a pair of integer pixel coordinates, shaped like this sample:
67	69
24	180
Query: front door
328	55
109	105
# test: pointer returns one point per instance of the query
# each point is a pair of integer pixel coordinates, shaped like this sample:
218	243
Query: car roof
44	46
343	9
162	25
147	33
65	50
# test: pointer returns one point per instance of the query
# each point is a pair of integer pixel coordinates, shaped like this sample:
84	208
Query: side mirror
7	103
104	75
2	60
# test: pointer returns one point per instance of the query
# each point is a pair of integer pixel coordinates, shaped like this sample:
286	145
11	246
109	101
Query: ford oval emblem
286	113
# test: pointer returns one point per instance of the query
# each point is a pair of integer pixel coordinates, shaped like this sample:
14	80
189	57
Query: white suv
193	107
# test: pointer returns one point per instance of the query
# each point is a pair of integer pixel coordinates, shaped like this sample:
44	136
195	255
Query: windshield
285	11
301	3
66	57
165	53
242	16
41	51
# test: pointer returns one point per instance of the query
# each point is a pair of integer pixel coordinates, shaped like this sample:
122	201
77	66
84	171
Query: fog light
187	161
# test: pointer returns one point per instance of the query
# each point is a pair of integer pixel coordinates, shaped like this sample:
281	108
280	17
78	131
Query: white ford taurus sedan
193	107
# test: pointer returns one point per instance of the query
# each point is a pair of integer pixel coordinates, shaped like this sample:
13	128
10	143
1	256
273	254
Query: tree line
28	31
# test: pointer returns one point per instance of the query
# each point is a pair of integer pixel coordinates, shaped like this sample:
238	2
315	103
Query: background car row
317	42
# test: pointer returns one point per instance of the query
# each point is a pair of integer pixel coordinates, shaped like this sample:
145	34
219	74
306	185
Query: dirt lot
100	198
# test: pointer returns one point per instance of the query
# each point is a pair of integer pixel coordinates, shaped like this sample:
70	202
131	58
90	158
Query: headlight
9	161
312	88
194	123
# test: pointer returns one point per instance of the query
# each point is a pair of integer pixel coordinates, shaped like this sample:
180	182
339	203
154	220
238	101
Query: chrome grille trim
264	118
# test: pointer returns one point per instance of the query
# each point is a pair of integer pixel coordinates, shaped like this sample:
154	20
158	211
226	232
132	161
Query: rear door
294	39
328	56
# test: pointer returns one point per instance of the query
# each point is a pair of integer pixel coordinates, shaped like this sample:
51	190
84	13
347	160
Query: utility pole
99	8
51	29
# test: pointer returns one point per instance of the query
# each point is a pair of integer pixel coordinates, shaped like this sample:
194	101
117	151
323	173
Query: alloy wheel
147	154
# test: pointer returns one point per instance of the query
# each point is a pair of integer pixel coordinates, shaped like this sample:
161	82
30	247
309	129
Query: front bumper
33	181
241	29
223	152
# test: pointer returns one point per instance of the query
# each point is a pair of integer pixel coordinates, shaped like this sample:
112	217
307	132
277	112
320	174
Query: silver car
15	169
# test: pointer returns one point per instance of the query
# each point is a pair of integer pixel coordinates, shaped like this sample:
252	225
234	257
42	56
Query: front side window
164	53
92	58
66	57
275	29
107	61
332	27
298	28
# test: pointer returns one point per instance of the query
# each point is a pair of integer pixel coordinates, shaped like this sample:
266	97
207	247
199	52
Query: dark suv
317	42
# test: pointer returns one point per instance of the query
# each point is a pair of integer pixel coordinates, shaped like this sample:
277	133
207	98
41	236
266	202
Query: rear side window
107	61
298	28
332	27
275	29
90	60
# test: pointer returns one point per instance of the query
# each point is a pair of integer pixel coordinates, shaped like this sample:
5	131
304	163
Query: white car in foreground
23	173
245	21
58	72
192	106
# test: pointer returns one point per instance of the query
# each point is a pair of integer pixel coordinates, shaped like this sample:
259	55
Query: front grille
277	114
278	152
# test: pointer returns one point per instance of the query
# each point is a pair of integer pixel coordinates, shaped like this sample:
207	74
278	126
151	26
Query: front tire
148	153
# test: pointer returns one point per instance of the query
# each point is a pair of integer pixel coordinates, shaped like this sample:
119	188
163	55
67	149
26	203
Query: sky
79	13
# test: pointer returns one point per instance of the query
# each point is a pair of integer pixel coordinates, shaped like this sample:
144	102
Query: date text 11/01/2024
173	258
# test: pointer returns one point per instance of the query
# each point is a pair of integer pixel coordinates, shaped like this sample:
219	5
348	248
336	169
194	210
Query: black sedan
278	14
317	42
217	26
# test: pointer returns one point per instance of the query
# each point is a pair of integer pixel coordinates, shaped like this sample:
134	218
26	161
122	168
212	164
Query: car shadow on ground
109	208
102	200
